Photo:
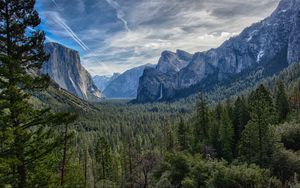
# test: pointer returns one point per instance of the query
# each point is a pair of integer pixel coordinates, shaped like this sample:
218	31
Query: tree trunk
22	176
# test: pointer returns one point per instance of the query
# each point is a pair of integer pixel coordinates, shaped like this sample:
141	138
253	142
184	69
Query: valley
95	107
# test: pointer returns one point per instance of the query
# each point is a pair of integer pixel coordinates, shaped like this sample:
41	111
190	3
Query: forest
248	139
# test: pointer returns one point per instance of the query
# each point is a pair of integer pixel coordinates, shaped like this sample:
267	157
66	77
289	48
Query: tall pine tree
256	145
281	102
226	136
182	136
104	159
240	118
27	137
201	122
215	124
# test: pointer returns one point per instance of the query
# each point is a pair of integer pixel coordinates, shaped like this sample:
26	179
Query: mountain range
269	46
121	85
103	81
263	49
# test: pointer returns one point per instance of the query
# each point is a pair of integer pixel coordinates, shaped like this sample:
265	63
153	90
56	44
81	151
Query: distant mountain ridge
103	81
65	69
271	44
121	85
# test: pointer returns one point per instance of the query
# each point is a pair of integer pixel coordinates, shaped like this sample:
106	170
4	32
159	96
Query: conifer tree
27	134
226	137
281	102
201	120
256	145
240	118
104	159
182	135
215	124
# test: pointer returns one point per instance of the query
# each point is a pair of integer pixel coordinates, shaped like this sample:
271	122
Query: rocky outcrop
271	44
126	84
173	62
294	42
65	69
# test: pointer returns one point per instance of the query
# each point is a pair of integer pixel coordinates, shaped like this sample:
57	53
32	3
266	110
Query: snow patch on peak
260	55
251	35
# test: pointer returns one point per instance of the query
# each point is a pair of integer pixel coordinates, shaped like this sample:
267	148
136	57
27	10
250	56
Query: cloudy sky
115	35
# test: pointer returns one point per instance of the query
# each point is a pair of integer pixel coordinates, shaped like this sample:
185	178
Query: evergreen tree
104	159
240	118
27	135
257	140
215	124
226	137
201	120
182	135
281	102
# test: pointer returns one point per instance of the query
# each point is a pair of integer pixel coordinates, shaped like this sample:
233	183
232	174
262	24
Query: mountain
126	84
65	69
270	45
102	81
173	62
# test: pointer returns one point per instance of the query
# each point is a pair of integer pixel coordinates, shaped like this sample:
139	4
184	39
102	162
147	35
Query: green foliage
103	159
240	118
179	164
183	134
242	176
290	135
281	102
257	144
185	170
201	122
285	164
26	135
226	137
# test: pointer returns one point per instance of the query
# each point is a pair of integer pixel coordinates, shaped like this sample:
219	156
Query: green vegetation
250	140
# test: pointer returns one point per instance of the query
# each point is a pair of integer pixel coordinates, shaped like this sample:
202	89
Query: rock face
273	44
65	69
103	81
126	84
173	62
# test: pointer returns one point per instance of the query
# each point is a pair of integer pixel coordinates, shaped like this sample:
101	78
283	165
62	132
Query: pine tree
226	137
257	140
281	102
27	137
104	159
182	135
201	120
240	118
67	121
215	124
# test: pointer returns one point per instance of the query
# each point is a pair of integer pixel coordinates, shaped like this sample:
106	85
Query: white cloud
151	26
120	13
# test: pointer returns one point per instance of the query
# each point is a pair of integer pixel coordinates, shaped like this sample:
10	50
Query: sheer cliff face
65	69
273	44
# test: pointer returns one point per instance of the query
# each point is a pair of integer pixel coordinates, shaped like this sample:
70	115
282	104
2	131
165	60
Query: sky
116	35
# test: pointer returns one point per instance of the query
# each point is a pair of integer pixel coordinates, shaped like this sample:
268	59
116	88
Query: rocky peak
65	69
173	62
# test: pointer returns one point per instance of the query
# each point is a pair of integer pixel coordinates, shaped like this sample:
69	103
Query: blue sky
115	35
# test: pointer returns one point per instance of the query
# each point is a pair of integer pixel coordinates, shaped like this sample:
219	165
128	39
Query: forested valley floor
246	141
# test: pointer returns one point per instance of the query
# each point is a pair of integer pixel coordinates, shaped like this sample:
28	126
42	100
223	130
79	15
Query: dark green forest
242	136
